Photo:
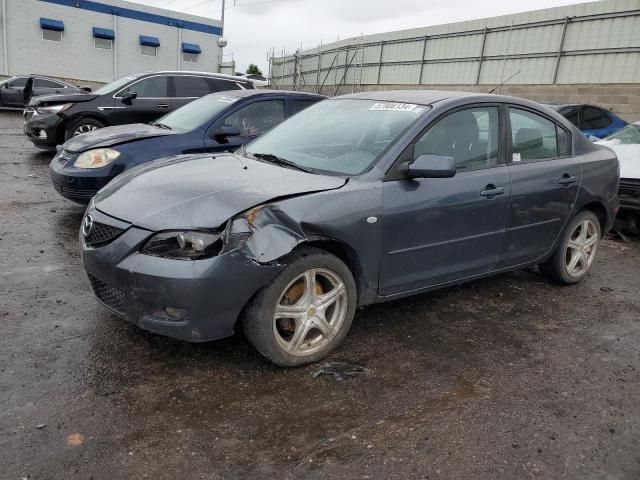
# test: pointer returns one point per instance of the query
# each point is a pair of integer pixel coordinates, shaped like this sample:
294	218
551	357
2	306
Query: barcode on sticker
393	107
516	157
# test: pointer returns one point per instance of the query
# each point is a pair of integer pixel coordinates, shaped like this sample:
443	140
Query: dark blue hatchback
215	123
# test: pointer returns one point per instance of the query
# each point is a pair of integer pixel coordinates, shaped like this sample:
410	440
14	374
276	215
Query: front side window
594	118
19	82
52	35
469	136
191	87
534	137
152	87
257	118
341	136
44	83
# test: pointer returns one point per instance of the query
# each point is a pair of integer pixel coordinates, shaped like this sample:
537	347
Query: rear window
594	118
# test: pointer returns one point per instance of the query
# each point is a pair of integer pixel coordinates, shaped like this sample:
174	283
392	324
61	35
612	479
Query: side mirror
432	166
128	97
224	132
86	89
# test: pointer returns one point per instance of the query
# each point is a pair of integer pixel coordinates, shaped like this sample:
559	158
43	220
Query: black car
12	89
139	98
356	200
215	123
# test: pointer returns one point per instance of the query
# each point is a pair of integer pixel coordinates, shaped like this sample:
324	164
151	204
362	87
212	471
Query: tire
84	123
311	277
574	255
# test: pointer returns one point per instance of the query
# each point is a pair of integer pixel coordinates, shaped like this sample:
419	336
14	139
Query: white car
258	80
626	143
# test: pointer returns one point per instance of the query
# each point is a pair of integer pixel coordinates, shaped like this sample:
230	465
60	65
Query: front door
152	102
545	179
12	93
440	230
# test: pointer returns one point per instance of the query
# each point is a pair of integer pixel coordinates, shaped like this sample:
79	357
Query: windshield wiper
162	125
283	162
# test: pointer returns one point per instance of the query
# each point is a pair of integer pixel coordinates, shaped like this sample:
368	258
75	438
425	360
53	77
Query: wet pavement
504	378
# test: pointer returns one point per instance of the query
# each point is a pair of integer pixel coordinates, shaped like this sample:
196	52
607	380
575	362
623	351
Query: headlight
96	158
54	108
187	245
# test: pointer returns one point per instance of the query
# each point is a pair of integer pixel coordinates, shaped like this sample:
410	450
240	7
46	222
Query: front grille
72	192
111	296
102	234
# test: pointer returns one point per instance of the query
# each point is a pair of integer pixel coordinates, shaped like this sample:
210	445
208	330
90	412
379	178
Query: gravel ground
504	378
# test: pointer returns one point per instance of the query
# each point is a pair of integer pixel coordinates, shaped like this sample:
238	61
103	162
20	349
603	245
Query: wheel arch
600	211
63	125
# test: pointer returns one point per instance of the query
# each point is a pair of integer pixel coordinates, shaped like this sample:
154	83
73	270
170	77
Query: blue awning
103	33
191	48
149	41
49	24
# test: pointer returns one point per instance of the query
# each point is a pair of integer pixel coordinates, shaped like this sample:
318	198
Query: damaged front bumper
192	300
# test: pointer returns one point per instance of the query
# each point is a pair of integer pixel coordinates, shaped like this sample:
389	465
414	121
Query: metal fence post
380	62
424	52
560	47
484	41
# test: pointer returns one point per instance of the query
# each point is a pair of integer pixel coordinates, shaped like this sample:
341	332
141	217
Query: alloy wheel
84	129
310	312
581	248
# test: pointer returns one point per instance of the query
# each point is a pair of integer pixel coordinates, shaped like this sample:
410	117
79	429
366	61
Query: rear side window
42	83
299	104
152	87
534	137
594	118
223	85
257	118
571	114
191	87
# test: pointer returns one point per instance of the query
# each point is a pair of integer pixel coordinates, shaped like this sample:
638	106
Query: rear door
438	230
545	179
153	101
186	88
11	93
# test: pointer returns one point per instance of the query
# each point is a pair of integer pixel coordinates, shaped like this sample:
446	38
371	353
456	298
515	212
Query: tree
254	70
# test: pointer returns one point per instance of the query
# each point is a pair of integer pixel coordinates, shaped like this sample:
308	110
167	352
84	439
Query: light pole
222	42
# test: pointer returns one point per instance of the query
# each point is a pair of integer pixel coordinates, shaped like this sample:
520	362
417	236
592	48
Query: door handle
567	180
491	191
162	105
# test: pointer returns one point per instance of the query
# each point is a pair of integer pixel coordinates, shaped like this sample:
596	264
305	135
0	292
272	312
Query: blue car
218	122
591	120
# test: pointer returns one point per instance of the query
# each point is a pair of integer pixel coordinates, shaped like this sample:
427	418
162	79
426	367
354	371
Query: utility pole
221	44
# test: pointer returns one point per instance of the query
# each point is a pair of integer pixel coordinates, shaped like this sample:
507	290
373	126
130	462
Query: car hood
202	191
111	136
628	156
44	100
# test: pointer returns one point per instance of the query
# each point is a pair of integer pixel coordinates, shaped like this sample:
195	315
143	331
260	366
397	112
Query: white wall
77	58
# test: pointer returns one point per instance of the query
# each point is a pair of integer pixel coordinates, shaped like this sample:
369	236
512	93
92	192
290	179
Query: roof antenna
497	87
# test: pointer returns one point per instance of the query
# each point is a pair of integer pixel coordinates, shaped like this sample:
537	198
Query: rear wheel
82	126
306	311
576	251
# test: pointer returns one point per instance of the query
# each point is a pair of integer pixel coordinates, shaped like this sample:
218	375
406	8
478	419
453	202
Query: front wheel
82	126
576	251
306	311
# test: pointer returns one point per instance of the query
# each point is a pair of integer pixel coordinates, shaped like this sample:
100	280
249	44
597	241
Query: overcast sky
252	27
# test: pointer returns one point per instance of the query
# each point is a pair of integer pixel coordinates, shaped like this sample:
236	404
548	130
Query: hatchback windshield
343	137
116	84
628	135
196	113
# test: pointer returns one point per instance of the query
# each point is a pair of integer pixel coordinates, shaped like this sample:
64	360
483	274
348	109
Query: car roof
266	91
192	72
421	97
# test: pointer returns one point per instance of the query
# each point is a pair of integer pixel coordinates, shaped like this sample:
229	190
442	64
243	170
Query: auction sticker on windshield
227	99
393	107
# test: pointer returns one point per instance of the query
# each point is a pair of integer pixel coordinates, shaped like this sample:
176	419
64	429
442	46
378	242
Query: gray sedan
357	200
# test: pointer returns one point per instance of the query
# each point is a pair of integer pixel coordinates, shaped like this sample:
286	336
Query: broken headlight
186	245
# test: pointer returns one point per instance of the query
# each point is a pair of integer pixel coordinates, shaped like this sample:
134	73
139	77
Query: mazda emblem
87	225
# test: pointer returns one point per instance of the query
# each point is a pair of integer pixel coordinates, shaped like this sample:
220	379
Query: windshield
627	135
195	113
343	137
116	84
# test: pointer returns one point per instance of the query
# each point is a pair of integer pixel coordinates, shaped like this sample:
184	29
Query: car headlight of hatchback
184	245
54	108
97	158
